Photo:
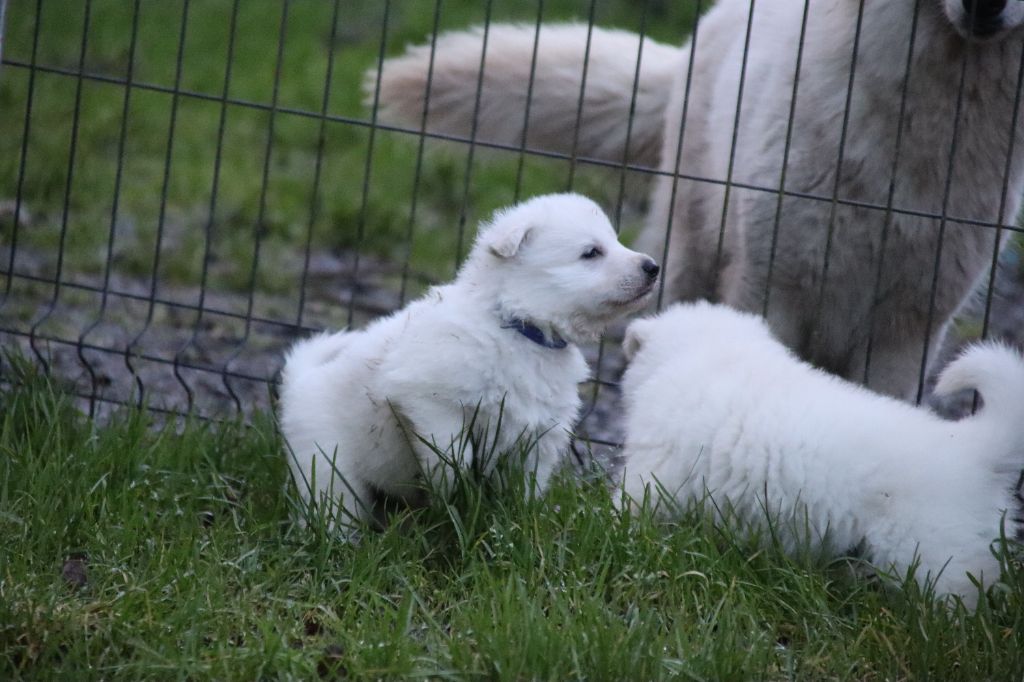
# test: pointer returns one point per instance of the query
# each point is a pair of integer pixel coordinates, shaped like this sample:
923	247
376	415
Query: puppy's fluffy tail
543	73
996	371
313	353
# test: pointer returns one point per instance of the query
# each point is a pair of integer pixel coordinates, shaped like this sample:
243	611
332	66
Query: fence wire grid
186	187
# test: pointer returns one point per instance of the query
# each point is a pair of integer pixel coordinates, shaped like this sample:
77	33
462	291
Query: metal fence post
3	23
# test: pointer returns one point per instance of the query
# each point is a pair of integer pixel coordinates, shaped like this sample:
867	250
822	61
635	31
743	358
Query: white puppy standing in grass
718	411
368	412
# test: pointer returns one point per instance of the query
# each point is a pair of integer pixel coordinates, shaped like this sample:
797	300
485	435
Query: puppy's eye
592	253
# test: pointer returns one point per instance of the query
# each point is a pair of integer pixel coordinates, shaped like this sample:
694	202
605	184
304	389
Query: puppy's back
313	353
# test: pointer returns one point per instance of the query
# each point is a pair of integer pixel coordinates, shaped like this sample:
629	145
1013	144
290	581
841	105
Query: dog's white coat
718	411
774	253
355	404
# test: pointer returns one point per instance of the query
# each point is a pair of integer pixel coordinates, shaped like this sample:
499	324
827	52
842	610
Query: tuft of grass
134	550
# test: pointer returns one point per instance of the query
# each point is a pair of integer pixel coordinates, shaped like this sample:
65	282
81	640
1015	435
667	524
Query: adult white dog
367	412
720	412
933	89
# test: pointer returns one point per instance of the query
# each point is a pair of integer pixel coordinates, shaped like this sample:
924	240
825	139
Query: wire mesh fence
188	186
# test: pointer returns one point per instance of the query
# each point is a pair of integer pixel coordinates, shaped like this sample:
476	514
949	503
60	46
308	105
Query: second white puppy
720	412
367	412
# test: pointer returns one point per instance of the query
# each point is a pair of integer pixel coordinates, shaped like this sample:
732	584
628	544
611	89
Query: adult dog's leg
895	362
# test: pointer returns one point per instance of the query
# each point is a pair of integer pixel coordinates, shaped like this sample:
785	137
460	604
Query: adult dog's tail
543	73
996	371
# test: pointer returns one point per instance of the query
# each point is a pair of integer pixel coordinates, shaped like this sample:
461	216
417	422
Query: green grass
192	570
341	220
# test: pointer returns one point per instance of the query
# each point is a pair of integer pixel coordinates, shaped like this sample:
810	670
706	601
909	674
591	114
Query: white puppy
360	410
718	411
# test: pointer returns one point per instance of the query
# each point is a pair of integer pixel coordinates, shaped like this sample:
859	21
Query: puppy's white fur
774	252
718	411
354	405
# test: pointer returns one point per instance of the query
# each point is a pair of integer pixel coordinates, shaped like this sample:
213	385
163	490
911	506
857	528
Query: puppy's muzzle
639	288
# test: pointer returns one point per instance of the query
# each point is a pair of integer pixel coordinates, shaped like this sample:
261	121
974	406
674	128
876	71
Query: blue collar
534	333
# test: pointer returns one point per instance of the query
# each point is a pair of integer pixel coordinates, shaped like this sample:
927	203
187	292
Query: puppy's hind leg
972	564
331	493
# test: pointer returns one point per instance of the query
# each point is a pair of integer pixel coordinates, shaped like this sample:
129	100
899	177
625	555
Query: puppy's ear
634	339
504	241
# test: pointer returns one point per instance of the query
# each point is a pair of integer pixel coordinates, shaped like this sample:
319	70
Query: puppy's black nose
651	269
984	16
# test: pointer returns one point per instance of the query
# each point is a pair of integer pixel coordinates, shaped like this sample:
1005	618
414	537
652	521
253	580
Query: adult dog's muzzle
984	17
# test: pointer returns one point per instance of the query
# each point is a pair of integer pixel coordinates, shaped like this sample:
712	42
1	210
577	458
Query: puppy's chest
539	396
529	387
